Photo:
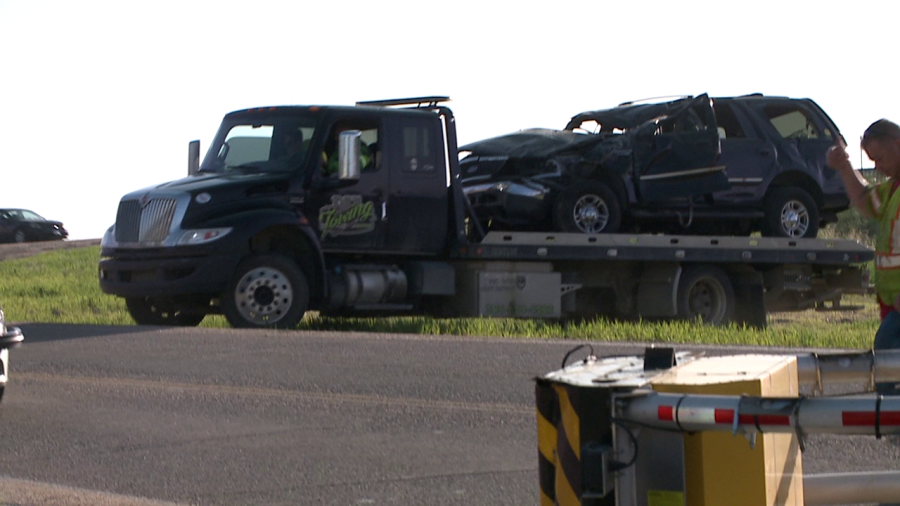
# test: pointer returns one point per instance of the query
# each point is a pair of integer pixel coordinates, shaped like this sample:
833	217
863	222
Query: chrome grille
150	224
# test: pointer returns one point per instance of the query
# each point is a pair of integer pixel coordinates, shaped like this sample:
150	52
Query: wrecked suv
696	165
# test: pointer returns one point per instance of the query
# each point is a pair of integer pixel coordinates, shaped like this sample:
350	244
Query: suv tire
790	212
588	207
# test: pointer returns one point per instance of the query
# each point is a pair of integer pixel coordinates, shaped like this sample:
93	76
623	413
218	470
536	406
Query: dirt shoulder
12	251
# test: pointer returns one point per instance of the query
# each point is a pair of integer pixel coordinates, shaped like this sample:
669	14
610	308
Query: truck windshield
279	144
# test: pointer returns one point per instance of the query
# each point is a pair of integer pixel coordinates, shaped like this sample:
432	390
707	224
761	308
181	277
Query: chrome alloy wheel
263	295
591	214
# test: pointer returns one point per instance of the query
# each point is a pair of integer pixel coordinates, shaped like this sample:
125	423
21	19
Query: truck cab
309	186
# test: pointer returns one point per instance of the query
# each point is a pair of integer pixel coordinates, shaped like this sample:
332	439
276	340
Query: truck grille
148	224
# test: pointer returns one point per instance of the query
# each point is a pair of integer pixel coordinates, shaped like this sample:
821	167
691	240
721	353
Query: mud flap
750	306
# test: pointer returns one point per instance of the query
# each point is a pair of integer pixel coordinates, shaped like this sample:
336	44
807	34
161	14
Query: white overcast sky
99	98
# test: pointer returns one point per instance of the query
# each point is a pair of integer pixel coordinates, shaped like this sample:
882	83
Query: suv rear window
791	122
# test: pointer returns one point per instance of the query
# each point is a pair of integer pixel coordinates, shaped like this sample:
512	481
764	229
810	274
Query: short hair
879	131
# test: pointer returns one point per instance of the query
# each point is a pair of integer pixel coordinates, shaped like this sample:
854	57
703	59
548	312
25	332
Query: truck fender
284	231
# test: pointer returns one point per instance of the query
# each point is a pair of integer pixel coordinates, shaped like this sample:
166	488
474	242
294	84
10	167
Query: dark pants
888	338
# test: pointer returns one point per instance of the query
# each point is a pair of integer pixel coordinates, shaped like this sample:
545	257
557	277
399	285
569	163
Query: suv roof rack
416	101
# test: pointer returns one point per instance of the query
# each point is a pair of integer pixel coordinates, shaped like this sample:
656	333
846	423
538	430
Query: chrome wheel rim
794	219
263	296
591	214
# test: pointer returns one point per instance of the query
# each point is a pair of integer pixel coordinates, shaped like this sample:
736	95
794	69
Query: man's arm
855	184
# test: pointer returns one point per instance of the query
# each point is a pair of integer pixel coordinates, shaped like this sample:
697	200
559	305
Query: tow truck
365	215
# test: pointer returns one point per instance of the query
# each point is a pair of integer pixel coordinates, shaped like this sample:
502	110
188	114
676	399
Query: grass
61	287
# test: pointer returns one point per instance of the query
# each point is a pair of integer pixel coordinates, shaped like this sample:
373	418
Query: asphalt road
144	415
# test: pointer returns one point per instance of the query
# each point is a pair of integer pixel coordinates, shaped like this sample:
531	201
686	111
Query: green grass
61	287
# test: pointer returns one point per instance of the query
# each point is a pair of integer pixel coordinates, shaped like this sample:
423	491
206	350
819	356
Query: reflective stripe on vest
887	262
875	201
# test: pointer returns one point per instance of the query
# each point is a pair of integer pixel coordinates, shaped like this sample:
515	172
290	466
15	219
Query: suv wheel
791	212
588	208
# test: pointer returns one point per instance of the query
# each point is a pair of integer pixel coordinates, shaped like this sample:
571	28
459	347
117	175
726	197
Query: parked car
9	337
731	165
22	225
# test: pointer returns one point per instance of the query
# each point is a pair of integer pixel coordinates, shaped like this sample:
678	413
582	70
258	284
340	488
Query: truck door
750	159
417	206
349	218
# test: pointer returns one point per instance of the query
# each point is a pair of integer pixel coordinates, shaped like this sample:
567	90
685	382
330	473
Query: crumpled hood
533	143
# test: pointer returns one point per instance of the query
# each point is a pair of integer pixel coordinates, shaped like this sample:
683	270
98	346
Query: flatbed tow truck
262	232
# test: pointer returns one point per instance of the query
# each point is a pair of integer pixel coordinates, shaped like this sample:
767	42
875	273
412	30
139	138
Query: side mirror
348	154
193	157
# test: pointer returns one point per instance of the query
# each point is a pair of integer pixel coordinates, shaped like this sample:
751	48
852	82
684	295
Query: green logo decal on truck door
347	215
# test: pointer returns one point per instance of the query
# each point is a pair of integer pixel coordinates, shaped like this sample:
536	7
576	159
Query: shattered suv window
728	124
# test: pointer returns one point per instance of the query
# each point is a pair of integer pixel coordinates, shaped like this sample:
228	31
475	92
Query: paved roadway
143	415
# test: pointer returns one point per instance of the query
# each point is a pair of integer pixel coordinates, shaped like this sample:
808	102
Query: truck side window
418	152
368	149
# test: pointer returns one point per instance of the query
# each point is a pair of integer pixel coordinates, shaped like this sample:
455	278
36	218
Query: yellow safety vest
884	204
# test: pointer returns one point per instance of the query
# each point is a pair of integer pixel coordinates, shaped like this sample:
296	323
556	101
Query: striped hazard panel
560	411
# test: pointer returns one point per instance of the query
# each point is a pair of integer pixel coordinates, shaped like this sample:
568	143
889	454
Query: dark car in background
696	165
22	225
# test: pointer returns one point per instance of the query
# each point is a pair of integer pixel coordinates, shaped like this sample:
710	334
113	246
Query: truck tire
147	311
267	291
705	293
790	212
590	207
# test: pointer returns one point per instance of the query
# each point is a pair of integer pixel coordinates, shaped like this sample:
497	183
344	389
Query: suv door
679	157
748	156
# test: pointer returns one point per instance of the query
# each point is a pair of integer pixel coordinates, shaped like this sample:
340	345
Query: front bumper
159	272
9	339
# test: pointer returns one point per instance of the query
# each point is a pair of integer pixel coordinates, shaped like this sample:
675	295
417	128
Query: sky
100	98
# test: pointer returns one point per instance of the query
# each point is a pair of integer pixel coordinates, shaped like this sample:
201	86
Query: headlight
202	236
109	238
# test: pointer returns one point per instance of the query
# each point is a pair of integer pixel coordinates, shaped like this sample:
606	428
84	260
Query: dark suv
732	165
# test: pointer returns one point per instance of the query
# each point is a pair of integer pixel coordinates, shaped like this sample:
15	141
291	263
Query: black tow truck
358	210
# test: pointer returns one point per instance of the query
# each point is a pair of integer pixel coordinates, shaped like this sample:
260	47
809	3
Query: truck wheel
705	293
148	311
588	208
267	291
791	212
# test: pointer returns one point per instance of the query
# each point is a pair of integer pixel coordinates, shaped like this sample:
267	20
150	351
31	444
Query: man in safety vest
881	201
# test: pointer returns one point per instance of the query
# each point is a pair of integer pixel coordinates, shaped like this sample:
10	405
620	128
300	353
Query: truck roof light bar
416	101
